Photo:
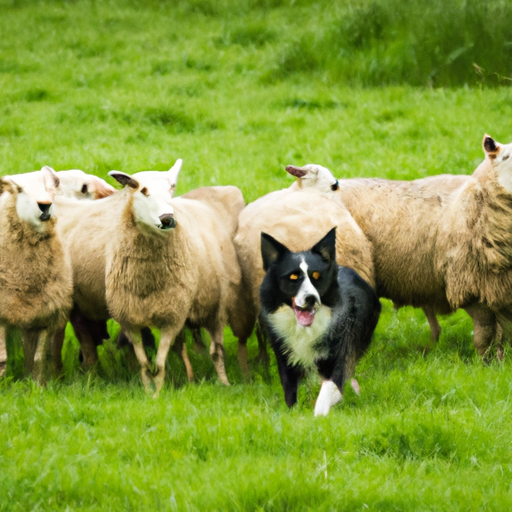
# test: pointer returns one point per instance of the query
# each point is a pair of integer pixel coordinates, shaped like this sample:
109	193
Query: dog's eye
336	186
316	275
145	191
84	188
505	157
294	277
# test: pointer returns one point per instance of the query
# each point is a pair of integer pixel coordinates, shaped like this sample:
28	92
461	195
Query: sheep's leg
3	350
135	337
180	347
167	336
484	328
435	328
217	354
262	346
57	344
89	334
242	358
29	340
41	356
199	346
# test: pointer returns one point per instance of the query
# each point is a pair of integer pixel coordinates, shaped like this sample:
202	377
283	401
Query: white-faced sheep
444	242
296	216
35	272
85	229
165	268
72	183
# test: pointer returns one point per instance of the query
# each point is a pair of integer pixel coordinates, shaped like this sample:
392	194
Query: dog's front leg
290	376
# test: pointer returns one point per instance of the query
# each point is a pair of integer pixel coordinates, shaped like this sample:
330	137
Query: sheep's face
152	192
34	201
78	184
314	177
500	156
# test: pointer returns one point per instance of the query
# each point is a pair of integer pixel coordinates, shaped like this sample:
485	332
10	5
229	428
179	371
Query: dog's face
299	280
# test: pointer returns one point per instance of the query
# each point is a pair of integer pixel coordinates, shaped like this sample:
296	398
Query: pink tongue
304	318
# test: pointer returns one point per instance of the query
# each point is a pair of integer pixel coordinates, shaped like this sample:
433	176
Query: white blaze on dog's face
34	202
152	193
307	300
314	177
500	156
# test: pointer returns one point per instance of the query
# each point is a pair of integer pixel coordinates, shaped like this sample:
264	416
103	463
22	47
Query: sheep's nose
168	221
45	211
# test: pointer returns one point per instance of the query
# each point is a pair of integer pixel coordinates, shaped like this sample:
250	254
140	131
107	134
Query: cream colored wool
35	275
443	242
168	278
298	219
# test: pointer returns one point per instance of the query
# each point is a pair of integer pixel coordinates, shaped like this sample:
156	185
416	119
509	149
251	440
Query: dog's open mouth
304	316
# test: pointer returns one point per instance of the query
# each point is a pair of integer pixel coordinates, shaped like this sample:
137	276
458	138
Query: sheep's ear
125	179
298	172
50	179
8	185
271	250
491	147
327	246
101	188
173	173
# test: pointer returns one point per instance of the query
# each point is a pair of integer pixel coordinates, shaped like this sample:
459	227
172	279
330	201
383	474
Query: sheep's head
500	157
152	192
78	184
34	201
314	177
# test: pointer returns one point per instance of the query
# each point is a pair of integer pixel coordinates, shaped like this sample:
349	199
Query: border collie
317	314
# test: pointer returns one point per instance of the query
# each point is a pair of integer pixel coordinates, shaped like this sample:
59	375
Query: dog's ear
327	246
271	250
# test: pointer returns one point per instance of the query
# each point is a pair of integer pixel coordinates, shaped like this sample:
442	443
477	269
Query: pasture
132	86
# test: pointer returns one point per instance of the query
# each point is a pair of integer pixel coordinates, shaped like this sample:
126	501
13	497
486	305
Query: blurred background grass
239	89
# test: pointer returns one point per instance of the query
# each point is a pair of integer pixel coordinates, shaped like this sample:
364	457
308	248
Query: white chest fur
299	341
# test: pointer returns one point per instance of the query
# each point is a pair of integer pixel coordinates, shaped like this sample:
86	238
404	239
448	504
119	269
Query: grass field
134	85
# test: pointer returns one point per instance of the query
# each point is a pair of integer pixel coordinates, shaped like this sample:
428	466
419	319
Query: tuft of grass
386	42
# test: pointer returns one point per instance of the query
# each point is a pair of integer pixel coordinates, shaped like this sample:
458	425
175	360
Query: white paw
329	395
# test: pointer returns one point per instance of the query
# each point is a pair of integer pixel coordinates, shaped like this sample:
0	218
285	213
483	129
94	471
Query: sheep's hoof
147	379
3	367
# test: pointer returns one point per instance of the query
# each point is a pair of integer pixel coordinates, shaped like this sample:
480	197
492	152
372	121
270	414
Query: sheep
228	205
73	183
296	216
85	229
444	242
165	268
35	271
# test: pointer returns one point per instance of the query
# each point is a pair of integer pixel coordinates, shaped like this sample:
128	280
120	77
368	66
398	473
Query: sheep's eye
316	275
145	191
173	187
336	186
84	188
294	277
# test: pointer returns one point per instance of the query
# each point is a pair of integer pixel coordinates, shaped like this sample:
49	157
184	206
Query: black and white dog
316	314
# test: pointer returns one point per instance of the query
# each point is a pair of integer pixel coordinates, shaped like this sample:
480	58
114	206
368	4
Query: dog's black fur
355	310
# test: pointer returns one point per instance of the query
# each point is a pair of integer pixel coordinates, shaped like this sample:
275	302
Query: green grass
134	85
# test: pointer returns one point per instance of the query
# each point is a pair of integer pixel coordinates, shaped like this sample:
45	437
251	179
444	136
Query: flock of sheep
73	248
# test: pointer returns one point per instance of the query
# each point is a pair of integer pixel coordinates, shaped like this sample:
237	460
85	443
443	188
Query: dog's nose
45	211
309	301
168	221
